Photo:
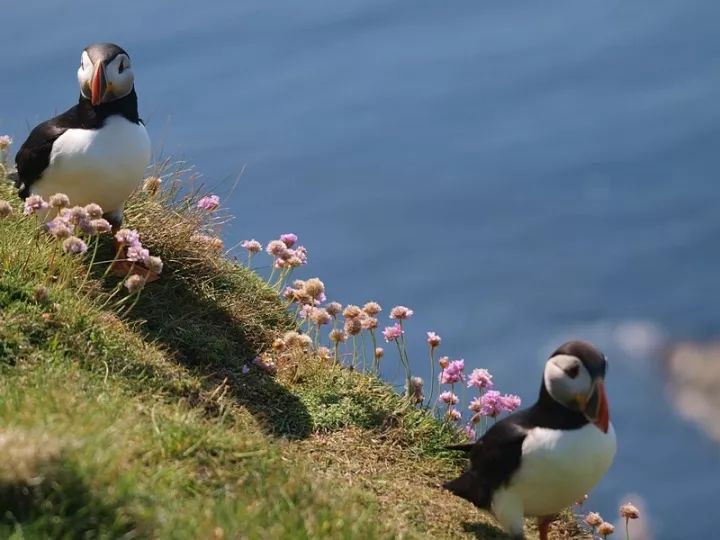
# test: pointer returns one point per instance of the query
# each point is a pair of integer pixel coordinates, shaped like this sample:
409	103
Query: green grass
143	425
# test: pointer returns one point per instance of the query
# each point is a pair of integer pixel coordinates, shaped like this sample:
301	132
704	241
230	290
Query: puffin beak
98	86
596	408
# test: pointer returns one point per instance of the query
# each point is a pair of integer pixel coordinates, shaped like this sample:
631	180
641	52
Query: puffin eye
573	371
122	67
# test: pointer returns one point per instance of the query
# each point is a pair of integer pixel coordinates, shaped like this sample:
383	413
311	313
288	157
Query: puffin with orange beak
540	460
96	151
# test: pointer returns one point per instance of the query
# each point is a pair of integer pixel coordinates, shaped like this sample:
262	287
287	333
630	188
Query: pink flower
277	249
301	254
391	333
400	313
288	239
74	245
137	253
453	373
510	402
453	415
491	404
448	398
127	237
34	203
209	203
433	339
253	246
480	378
59	228
470	432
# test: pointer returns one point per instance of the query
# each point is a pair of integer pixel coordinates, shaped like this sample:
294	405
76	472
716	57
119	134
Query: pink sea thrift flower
391	333
433	339
209	203
300	253
94	211
101	225
470	432
453	373
253	246
74	245
510	402
127	237
59	228
448	398
401	313
59	200
491	404
289	239
277	248
137	253
34	203
480	378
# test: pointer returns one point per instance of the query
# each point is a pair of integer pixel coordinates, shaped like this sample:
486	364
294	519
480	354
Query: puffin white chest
102	165
558	467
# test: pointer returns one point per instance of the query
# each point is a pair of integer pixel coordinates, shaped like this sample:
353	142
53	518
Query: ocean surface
517	174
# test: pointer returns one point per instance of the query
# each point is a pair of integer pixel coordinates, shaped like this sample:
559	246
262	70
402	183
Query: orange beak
98	86
597	408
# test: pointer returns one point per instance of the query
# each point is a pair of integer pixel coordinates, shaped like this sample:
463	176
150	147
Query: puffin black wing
34	155
493	460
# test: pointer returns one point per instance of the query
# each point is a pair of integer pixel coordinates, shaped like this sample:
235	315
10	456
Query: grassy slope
143	426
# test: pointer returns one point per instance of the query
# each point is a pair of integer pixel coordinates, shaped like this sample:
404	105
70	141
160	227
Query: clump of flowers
209	203
34	203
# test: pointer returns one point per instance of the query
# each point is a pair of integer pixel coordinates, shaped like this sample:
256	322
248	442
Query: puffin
540	460
96	151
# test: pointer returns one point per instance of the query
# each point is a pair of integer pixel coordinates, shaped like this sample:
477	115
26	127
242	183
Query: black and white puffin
96	151
541	460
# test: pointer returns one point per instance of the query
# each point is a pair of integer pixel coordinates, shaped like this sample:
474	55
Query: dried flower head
448	398
453	415
210	242
266	363
433	339
5	209
372	308
151	185
444	362
252	246
101	226
134	283
593	519
41	294
74	245
291	338
289	239
59	228
368	322
154	264
305	342
34	203
334	309
337	335
353	326
379	352
320	316
127	237
209	203
94	211
351	311
314	287
480	378
5	142
470	432
59	201
416	390
629	511
605	529
278	345
324	353
391	333
401	313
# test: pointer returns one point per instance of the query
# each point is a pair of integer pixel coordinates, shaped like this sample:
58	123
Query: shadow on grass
484	531
59	505
214	326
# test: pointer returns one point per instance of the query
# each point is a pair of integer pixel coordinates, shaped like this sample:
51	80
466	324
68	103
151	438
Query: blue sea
518	174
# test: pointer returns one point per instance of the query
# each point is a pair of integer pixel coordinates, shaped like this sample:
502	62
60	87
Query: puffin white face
107	78
570	383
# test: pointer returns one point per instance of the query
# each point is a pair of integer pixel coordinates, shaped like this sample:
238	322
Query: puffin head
575	378
105	73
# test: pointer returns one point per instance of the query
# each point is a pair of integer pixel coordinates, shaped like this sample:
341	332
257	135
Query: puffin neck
94	117
548	413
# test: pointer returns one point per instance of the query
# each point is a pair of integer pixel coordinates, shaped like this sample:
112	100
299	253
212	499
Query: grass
144	424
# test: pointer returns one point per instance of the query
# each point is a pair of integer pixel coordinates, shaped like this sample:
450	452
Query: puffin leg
544	526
